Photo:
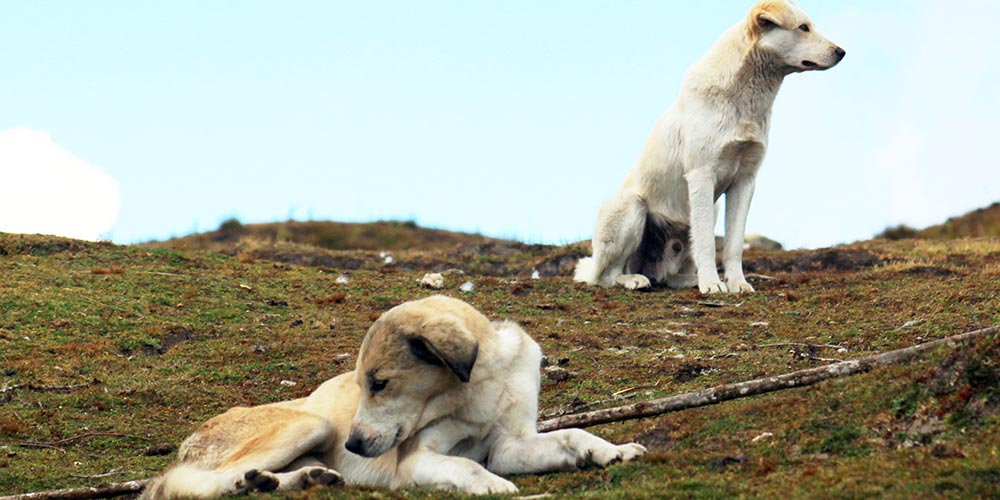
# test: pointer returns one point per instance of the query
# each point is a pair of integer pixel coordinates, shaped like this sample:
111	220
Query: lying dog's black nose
840	53
355	444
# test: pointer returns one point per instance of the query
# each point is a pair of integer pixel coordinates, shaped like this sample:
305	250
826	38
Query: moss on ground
110	355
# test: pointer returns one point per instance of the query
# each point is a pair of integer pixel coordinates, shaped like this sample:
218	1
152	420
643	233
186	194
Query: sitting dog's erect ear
445	341
766	16
764	21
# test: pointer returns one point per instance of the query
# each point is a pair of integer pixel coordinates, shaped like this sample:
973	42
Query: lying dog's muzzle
356	444
371	446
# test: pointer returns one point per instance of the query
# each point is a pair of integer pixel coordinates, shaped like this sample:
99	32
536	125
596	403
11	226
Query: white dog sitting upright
441	398
709	142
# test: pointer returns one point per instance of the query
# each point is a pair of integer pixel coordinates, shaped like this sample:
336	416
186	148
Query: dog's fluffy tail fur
586	271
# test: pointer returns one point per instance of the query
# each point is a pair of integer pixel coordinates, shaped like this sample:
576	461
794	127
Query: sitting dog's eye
804	28
378	385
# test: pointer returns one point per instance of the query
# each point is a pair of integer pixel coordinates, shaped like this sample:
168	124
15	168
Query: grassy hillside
110	355
381	236
981	223
984	222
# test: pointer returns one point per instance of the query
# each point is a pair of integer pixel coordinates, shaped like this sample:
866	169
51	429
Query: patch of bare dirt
836	259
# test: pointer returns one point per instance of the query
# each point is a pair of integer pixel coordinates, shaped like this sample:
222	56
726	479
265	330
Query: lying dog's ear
445	341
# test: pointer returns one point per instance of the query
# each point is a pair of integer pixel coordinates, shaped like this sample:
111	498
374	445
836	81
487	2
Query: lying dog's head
784	34
411	361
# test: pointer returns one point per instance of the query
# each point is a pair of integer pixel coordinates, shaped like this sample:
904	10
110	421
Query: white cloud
46	189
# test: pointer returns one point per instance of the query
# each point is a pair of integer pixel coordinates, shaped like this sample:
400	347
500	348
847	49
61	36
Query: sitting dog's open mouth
809	64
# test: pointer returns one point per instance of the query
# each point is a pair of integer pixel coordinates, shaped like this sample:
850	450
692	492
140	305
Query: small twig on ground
724	355
911	323
713	303
110	306
632	389
817	358
98	476
801	344
31	444
103	491
160	273
761	277
49	388
97	434
55	444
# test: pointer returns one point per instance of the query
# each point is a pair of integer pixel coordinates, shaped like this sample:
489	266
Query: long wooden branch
102	491
718	394
705	397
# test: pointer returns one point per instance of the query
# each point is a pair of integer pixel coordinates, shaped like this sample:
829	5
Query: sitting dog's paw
320	476
631	451
712	286
262	481
633	281
739	286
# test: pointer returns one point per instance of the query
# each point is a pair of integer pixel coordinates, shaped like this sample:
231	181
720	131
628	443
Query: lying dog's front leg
423	467
737	207
701	196
562	450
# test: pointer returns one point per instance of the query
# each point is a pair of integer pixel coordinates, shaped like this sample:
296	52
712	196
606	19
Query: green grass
107	350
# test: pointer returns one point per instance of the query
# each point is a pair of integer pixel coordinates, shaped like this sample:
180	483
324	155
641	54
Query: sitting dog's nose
840	53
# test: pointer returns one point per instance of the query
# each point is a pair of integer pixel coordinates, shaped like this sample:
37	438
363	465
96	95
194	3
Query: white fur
710	142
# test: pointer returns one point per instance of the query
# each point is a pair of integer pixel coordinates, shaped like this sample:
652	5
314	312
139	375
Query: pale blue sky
514	118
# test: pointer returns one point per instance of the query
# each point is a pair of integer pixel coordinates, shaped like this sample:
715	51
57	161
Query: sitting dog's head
783	33
411	360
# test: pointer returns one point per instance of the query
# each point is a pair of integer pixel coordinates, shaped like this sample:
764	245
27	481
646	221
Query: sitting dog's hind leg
616	238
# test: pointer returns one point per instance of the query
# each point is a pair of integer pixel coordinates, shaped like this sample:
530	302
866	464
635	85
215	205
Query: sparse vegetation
899	232
110	355
984	222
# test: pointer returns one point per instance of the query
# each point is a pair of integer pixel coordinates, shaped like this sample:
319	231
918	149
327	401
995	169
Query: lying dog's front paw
633	281
490	484
611	454
631	451
712	286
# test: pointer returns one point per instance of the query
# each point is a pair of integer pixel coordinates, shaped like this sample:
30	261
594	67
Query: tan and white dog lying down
709	142
441	398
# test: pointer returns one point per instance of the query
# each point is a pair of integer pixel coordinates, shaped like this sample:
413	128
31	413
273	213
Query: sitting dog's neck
736	75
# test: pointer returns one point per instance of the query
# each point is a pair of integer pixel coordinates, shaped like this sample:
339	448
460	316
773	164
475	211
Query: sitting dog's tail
586	271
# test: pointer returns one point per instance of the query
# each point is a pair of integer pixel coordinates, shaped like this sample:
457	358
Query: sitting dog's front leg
423	467
701	196
737	207
562	450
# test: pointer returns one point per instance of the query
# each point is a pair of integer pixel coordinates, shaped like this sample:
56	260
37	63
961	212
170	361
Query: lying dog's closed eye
711	141
441	398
